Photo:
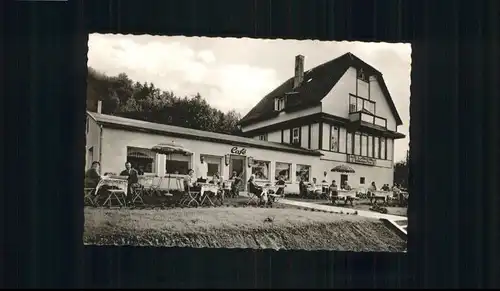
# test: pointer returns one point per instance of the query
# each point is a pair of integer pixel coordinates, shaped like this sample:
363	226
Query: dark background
453	213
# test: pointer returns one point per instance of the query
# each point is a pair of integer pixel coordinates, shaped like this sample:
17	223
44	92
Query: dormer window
362	76
279	103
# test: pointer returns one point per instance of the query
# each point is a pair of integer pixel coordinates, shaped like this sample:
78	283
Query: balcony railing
361	116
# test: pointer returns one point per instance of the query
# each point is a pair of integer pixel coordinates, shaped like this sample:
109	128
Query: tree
401	172
122	96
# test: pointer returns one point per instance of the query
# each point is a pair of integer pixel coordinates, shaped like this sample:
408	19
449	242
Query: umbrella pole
168	177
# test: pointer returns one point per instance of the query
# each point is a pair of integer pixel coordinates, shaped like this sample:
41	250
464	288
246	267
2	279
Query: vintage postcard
246	143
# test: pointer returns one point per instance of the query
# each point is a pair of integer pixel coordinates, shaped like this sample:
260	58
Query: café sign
353	159
239	151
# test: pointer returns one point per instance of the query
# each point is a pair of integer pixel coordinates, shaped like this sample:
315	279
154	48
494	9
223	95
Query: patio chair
90	194
88	198
190	197
207	197
252	197
137	191
323	194
154	189
117	195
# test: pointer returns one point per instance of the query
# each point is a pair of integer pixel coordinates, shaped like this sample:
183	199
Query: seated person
255	189
92	176
314	189
216	179
346	186
396	191
385	187
235	186
333	189
280	182
190	181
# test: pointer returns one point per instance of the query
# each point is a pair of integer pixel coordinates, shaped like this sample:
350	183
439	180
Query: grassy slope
227	227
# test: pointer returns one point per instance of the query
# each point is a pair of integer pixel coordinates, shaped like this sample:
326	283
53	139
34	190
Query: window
349	143
177	164
359	104
284	170
364	145
342	136
357	144
362	180
370	146
383	149
279	103
261	170
296	135
263	137
376	147
334	140
302	171
142	159
87	125
213	164
352	104
362	75
369	106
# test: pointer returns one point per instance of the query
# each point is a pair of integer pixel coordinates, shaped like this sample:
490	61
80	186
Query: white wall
115	144
378	174
92	138
315	136
274	136
283	116
363	89
382	106
286	135
336	102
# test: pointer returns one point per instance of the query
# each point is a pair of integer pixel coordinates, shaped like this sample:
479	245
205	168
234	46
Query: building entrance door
237	164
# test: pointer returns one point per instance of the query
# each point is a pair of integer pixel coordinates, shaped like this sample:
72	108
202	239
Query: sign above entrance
238	151
353	159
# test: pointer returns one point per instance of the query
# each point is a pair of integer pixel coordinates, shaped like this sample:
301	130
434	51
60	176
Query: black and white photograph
247	143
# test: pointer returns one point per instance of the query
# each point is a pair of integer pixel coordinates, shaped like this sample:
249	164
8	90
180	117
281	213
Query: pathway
364	213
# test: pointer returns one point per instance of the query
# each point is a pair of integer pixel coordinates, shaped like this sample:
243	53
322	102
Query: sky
236	73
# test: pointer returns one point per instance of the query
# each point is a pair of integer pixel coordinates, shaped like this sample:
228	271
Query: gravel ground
238	227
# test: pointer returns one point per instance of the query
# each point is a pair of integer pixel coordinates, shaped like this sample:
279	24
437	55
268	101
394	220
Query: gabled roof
112	121
315	86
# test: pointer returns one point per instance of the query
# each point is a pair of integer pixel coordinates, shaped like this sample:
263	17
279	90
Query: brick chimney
299	71
99	106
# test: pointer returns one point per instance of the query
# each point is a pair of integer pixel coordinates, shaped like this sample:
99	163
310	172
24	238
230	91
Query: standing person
202	170
235	186
132	179
302	188
324	183
333	191
371	191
